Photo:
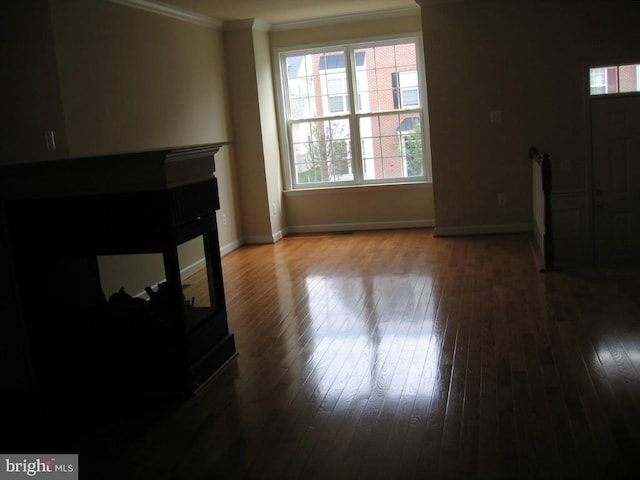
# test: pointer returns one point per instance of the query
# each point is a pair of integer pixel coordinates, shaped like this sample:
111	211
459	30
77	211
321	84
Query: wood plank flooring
394	355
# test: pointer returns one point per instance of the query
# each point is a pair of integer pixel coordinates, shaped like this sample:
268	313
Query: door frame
589	166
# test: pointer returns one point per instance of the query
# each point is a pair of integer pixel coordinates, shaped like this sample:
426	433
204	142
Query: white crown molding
426	3
356	17
257	24
247	23
173	12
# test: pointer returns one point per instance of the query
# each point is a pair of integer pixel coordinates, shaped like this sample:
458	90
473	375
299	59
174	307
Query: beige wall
31	100
229	215
362	207
247	128
529	61
134	80
269	129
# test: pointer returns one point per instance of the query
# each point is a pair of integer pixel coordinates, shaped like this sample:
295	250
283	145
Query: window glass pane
597	81
336	104
629	78
380	80
410	97
310	79
391	146
408	79
335	85
322	151
611	79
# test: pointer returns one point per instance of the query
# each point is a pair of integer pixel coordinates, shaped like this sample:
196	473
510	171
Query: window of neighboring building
614	79
598	81
352	114
406	91
337	98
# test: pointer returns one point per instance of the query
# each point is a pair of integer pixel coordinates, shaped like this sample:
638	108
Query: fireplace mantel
124	172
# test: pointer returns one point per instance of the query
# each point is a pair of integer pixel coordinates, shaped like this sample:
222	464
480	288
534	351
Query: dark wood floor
393	355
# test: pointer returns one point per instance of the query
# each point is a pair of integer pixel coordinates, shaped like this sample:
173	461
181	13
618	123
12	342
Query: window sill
368	187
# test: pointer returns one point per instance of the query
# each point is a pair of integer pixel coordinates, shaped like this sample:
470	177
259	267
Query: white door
615	136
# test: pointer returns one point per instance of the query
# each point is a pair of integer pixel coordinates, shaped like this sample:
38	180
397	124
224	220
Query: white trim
230	247
210	22
426	3
279	235
300	192
347	227
355	17
254	240
259	240
246	23
171	11
483	229
193	268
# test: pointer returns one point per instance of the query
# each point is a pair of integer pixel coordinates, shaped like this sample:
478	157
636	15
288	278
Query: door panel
615	131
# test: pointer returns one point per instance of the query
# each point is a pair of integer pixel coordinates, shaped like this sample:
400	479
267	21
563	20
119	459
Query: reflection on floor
385	355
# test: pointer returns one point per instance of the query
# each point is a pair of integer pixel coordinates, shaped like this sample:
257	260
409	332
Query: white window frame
602	71
352	113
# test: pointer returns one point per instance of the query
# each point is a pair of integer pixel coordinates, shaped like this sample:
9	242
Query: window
354	114
614	79
598	81
337	94
405	85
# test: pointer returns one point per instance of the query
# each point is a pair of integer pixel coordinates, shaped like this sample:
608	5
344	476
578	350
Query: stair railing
543	225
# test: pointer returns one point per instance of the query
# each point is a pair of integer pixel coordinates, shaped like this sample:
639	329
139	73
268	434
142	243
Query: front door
615	131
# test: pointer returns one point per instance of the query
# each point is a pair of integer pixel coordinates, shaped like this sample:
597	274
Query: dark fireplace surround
62	215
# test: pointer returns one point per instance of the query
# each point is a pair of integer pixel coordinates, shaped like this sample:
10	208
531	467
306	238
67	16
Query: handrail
542	187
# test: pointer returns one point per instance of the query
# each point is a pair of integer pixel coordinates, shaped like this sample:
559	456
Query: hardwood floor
392	355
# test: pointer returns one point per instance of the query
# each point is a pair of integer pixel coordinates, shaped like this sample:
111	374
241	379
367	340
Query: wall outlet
502	199
224	219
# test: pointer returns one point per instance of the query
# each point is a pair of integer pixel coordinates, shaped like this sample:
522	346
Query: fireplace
64	216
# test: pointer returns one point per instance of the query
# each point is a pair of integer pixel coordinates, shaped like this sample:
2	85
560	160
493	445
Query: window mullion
354	126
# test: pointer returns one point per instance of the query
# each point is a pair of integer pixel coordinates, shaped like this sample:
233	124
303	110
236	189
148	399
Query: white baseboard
258	240
230	247
264	239
279	235
482	229
349	227
193	268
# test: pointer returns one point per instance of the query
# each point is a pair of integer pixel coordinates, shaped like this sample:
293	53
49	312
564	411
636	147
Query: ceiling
283	11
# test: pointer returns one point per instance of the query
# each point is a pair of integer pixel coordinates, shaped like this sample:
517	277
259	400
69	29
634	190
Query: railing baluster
544	160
